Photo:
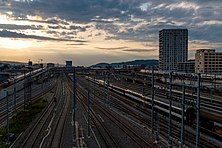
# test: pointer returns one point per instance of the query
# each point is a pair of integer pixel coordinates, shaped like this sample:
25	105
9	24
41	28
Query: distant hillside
102	65
147	63
12	62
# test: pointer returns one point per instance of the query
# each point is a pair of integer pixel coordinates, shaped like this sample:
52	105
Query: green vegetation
21	121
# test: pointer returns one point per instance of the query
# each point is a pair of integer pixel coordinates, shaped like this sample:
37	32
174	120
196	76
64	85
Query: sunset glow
77	35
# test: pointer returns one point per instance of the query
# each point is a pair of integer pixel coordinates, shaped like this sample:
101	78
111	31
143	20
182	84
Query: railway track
212	113
206	103
33	133
38	128
176	130
104	132
123	125
211	109
19	105
128	107
57	133
54	138
127	128
19	96
48	130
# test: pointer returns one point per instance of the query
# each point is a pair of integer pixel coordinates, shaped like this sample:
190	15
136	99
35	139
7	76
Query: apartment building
173	48
208	61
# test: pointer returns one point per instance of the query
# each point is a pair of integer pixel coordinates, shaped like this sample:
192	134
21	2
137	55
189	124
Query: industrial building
186	67
68	63
173	48
4	76
30	63
208	61
50	65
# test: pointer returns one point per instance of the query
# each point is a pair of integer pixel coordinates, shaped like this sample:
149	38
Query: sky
93	31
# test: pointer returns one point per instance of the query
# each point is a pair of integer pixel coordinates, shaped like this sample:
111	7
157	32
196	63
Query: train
208	120
6	83
140	98
18	78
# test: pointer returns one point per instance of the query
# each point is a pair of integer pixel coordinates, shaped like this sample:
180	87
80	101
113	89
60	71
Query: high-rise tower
173	48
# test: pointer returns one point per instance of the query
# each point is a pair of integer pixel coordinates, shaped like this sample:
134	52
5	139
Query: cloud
79	28
116	48
10	34
77	44
100	20
148	16
140	50
49	20
131	20
56	27
211	22
183	5
80	41
20	27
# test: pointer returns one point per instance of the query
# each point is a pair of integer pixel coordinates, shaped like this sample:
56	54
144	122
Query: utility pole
30	87
88	113
108	93
152	105
165	83
42	73
143	90
94	87
157	126
42	82
63	89
211	90
14	93
105	93
143	93
170	111
74	97
183	109
215	80
198	110
24	93
7	101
